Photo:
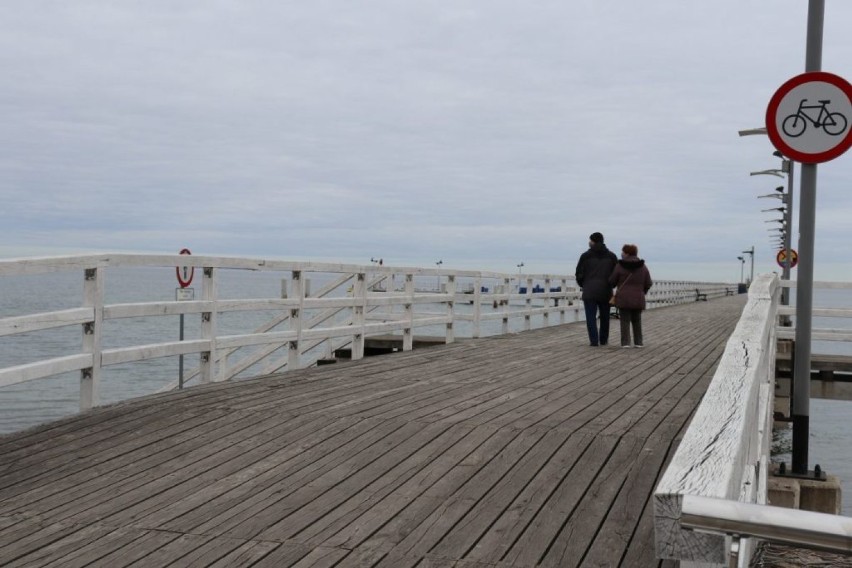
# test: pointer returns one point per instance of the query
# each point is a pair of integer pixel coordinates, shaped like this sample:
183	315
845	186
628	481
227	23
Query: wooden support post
209	293
407	336
477	307
528	305
90	378
564	303
547	304
451	290
358	315
293	347
506	290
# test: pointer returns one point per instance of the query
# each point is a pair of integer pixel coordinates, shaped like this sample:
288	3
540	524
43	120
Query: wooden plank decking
524	450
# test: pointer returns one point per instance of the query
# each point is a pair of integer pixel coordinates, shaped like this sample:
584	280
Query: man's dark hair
596	238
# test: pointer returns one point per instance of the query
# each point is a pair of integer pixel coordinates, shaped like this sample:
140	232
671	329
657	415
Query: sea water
35	402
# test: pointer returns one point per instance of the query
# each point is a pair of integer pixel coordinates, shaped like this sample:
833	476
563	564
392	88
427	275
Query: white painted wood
720	444
397	311
45	368
298	287
818	312
817	334
360	296
151	309
93	298
821	284
209	293
117	356
451	291
46	320
407	335
230	342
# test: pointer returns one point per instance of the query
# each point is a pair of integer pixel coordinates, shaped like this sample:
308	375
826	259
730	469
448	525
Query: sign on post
808	117
185	273
781	258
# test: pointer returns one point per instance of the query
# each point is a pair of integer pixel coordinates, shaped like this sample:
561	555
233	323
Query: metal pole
751	279
785	293
805	279
180	358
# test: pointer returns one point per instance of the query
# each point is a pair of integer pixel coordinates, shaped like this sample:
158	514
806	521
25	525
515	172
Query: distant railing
353	303
819	334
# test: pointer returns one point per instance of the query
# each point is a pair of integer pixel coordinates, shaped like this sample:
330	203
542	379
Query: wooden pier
531	449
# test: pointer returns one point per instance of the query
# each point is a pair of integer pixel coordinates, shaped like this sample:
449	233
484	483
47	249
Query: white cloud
489	131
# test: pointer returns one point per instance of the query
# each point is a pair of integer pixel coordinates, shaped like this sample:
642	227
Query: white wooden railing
354	303
711	500
819	334
724	453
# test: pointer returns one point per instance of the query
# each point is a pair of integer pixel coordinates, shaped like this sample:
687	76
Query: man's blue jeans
592	309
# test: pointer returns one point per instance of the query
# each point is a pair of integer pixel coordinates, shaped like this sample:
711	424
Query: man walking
593	271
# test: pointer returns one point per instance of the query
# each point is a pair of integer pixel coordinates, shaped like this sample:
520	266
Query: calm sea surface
35	402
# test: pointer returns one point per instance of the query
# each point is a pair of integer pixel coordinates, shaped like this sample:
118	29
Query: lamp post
751	252
438	264
742	267
787	166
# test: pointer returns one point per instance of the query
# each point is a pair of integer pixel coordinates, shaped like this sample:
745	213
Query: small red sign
781	258
185	273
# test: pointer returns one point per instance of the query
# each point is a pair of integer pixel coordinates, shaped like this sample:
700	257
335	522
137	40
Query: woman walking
633	280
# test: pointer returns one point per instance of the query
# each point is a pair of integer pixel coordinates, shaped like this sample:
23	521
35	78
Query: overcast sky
484	133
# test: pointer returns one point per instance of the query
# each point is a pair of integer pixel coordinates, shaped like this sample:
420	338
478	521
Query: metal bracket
89	328
815	474
90	273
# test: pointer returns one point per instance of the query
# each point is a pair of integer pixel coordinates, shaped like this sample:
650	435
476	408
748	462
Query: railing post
546	316
506	291
293	355
451	290
90	378
477	309
564	304
528	305
209	293
358	315
407	336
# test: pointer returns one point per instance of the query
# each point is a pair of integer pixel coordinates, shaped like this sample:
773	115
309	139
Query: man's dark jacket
593	271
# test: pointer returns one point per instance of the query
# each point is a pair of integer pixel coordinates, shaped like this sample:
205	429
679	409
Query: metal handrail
803	529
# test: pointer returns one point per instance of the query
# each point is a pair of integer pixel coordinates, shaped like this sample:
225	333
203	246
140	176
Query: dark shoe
638	346
593	345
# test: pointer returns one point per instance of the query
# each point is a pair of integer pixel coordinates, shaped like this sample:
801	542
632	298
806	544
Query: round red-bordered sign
781	258
809	118
188	272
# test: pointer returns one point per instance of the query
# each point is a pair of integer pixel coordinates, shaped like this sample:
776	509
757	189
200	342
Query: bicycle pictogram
834	123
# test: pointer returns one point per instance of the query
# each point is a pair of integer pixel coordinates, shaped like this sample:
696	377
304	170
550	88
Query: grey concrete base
817	496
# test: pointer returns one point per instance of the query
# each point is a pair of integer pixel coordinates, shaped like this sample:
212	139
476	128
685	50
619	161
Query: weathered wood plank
495	452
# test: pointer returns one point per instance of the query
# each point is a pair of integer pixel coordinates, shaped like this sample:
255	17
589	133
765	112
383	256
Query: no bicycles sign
808	117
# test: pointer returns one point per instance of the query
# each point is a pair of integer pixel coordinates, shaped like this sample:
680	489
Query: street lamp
742	266
751	252
521	265
752	131
438	264
772	172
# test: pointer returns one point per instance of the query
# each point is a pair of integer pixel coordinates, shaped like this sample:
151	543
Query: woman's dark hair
630	250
